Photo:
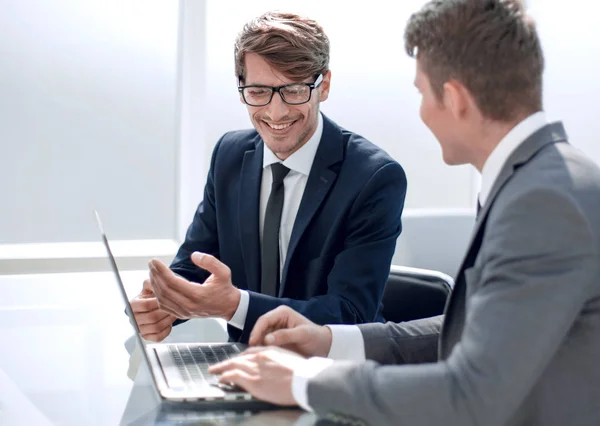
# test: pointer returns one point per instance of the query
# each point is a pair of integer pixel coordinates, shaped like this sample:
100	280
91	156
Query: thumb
147	289
286	337
212	265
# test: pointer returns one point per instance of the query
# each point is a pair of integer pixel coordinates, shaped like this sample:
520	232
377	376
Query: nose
277	109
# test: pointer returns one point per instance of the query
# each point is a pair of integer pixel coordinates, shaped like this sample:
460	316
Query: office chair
412	293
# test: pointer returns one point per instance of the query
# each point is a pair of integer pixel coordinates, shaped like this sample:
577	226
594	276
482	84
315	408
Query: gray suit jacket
520	341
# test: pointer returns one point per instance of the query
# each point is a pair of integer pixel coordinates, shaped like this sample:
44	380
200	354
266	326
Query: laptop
180	370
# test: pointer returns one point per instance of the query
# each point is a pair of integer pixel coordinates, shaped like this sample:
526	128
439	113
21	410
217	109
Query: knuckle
150	337
233	363
230	376
155	317
226	272
261	356
253	380
151	329
140	319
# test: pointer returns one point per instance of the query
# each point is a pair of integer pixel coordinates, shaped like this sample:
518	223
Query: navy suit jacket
342	241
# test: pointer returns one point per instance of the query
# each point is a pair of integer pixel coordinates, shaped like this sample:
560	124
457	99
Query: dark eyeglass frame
277	89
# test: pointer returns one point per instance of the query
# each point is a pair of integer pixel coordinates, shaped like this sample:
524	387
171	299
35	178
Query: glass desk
66	358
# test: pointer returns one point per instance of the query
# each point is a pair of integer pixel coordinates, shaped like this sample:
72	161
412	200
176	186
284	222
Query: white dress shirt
347	344
346	340
494	163
299	163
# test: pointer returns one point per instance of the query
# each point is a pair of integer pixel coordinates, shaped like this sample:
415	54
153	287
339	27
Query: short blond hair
294	45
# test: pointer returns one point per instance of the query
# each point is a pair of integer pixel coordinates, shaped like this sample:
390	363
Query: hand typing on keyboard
193	362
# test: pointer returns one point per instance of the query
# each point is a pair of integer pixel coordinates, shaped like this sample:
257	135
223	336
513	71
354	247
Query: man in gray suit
520	340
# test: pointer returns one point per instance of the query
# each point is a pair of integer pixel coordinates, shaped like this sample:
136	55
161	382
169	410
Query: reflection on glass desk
65	361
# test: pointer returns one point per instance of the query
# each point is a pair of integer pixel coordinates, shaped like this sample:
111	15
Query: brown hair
294	45
489	46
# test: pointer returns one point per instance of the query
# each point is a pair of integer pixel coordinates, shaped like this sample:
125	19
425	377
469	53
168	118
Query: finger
220	367
147	289
288	336
239	378
159	270
152	317
167	294
158	286
161	335
172	308
156	326
167	303
272	320
254	350
261	329
165	281
143	305
246	364
212	265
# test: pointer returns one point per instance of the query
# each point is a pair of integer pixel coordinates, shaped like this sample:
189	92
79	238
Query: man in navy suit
296	211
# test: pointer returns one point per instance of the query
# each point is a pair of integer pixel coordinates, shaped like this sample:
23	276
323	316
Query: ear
456	98
239	82
324	87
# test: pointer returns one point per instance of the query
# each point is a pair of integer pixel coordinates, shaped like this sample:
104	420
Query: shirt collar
301	160
493	165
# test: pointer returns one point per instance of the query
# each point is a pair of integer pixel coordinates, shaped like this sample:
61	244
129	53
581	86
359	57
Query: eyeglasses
292	94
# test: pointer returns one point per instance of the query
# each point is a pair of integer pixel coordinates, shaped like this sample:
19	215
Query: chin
279	147
450	160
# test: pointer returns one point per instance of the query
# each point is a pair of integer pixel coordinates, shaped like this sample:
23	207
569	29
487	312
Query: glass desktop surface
66	358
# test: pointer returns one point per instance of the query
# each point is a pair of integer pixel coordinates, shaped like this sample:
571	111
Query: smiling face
447	118
284	128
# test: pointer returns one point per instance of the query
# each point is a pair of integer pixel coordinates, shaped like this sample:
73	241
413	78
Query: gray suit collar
549	134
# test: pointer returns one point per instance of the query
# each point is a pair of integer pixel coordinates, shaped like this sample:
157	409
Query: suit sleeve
359	274
539	270
411	342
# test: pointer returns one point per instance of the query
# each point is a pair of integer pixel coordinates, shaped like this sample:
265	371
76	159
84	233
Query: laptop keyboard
193	361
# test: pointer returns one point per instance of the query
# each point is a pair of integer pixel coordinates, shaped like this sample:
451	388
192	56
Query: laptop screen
128	309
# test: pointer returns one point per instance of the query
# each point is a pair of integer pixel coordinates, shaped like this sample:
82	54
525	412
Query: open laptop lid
128	309
227	401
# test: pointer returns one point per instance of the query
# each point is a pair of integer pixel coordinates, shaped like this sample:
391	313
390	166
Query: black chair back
412	293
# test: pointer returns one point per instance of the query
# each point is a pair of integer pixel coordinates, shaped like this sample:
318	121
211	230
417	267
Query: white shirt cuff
239	318
347	343
303	372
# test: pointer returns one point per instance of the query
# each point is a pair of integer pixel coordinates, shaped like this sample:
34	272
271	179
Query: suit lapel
549	134
320	180
248	213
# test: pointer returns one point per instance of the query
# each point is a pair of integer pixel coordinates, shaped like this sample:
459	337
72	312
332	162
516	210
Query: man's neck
492	134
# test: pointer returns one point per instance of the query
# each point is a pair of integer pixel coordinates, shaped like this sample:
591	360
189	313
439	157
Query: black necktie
270	240
478	208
